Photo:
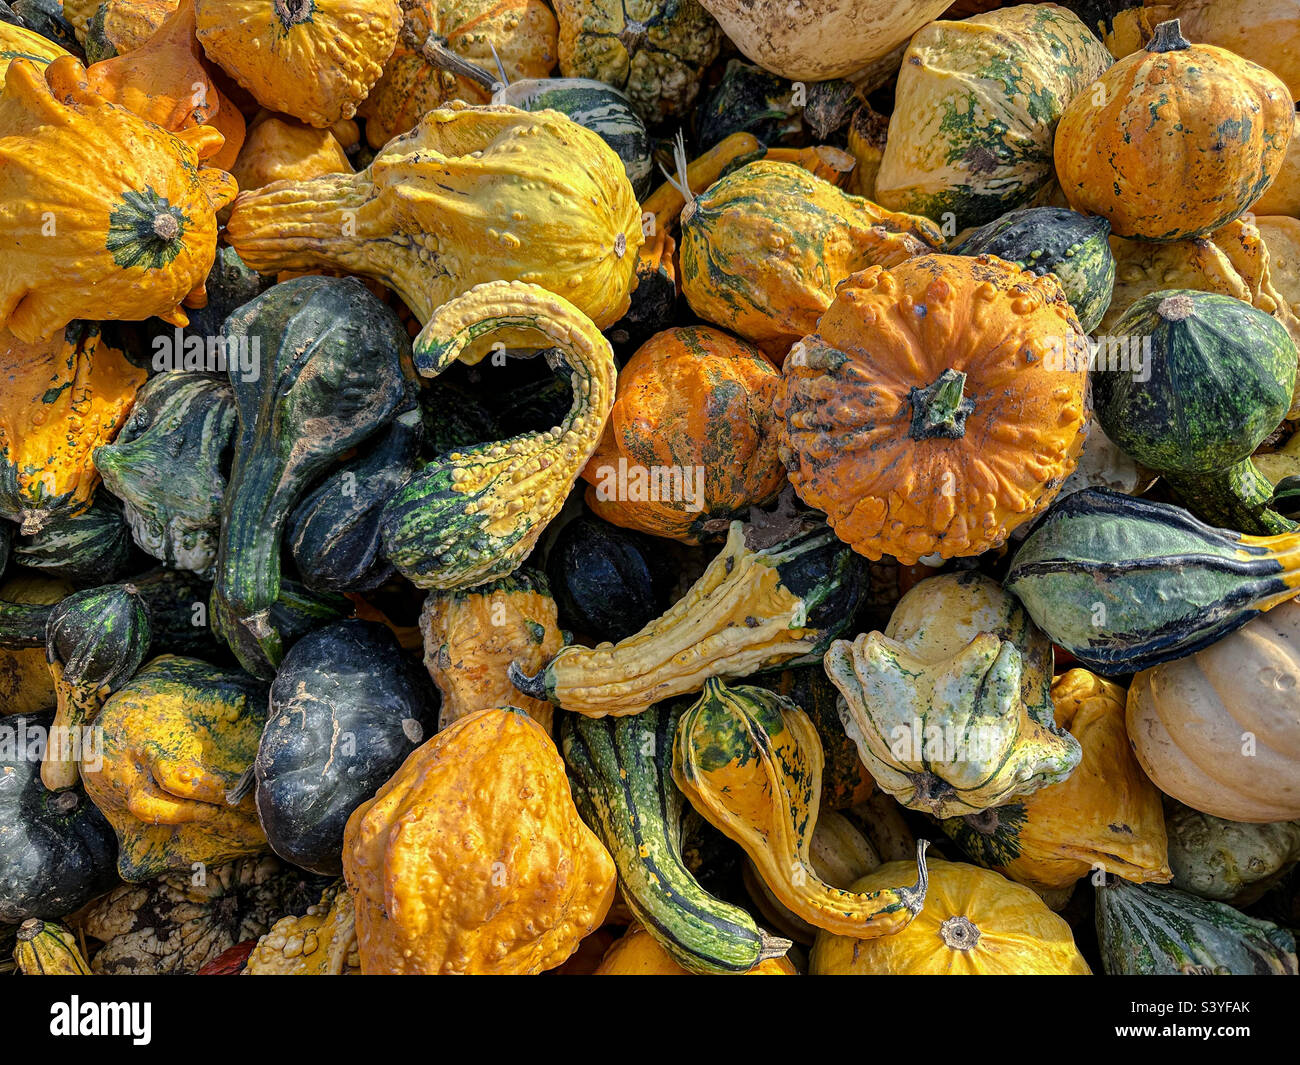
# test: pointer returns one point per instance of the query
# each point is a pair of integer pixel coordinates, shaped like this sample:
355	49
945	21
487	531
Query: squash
175	742
752	609
280	149
535	881
1105	815
1282	234
974	923
423	72
472	636
655	51
1228	861
622	784
472	194
1071	247
45	949
1161	931
949	710
691	438
56	850
61	399
87	548
751	100
1283	196
1124	584
1217	730
25	605
19	43
1174	141
750	763
78	13
330	375
934	410
812	236
638	953
865	141
346	709
976	108
121	26
473	516
322	942
131	236
47	18
313	59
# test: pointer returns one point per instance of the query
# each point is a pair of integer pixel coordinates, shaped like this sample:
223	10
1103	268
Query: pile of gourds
890	566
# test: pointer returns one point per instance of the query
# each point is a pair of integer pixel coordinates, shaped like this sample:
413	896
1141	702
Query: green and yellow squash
45	949
1228	861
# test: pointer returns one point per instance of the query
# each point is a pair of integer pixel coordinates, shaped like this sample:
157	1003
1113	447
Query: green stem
940	409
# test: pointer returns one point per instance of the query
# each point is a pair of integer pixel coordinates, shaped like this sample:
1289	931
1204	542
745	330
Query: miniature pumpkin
1174	141
691	439
321	942
280	149
472	858
25	682
130	237
933	411
313	59
120	26
638	954
975	923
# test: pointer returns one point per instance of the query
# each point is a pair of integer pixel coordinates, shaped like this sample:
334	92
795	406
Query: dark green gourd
92	547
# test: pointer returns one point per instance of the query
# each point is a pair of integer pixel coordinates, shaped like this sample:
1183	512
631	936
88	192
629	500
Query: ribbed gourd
46	949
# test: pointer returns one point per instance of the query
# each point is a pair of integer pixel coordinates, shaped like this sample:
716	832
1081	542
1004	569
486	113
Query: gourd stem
534	687
1237	498
772	946
438	55
940	409
1168	37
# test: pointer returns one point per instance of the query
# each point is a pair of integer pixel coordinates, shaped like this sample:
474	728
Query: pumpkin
25	682
691	438
535	881
321	942
753	608
56	850
471	194
313	59
821	39
121	26
812	237
175	741
638	953
653	50
1160	931
1174	141
976	108
1105	815
1217	730
45	949
1228	861
472	636
280	149
1283	196
126	238
87	548
518	34
19	43
975	923
934	410
949	706
473	516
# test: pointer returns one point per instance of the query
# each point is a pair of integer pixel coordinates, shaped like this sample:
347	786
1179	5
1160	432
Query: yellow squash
19	43
280	149
44	949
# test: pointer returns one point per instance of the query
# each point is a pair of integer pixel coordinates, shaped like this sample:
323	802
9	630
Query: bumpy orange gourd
937	407
102	214
691	439
1174	141
280	149
639	954
472	858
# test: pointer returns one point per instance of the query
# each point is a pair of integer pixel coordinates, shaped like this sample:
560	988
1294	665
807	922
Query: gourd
322	942
133	235
1175	141
1215	378
813	234
934	411
87	548
279	149
1105	815
19	43
622	783
974	923
1217	730
472	516
166	466
691	438
56	850
333	532
1283	236
25	605
950	710
175	741
1160	931
1283	196
753	608
536	881
441	43
78	13
1228	861
313	59
120	26
976	108
229	285
94	641
331	375
45	949
865	141
637	953
655	51
1071	247
47	18
750	763
61	399
1124	584
346	709
751	100
472	636
472	194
